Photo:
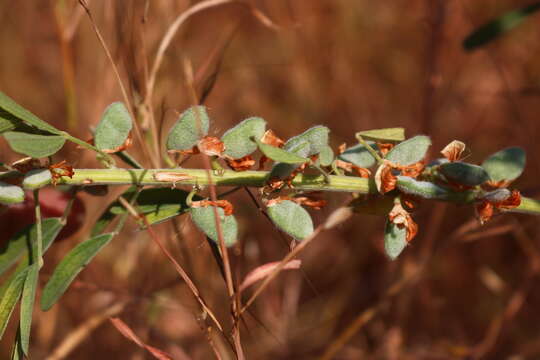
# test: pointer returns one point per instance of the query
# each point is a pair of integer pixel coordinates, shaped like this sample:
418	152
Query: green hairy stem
302	182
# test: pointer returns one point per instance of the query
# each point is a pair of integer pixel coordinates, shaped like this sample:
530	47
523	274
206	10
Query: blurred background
459	291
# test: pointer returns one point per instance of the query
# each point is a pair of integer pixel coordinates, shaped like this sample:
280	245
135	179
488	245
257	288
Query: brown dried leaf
125	330
263	271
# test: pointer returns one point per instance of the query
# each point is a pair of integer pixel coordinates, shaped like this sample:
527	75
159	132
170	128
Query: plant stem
144	177
369	149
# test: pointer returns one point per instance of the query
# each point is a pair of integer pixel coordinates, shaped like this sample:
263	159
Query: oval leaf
388	134
326	156
19	244
291	218
463	173
27	305
395	240
36	146
192	125
114	127
310	142
507	164
359	155
238	140
10	298
37	178
10	194
70	266
280	155
410	151
9	106
205	220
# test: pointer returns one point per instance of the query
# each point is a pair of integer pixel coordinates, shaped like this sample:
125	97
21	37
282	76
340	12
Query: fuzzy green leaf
280	155
10	194
238	140
27	305
36	146
21	242
205	220
10	298
9	106
395	240
310	142
70	266
463	173
389	134
291	218
496	28
359	155
114	127
507	164
192	126
409	151
37	178
326	156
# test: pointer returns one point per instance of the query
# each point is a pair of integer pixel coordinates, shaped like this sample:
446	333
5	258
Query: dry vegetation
459	291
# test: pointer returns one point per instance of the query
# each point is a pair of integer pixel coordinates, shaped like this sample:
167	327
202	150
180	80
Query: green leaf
507	164
326	156
395	240
495	28
409	151
292	219
37	178
205	220
359	155
34	145
10	298
17	351
27	305
158	204
463	173
238	140
25	239
187	131
70	266
114	127
9	106
310	142
389	134
8	122
280	155
10	194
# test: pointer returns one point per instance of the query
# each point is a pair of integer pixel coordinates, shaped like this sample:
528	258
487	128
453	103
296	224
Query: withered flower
401	217
241	164
347	166
385	179
122	147
454	150
211	146
384	148
26	164
270	138
227	207
60	169
486	208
